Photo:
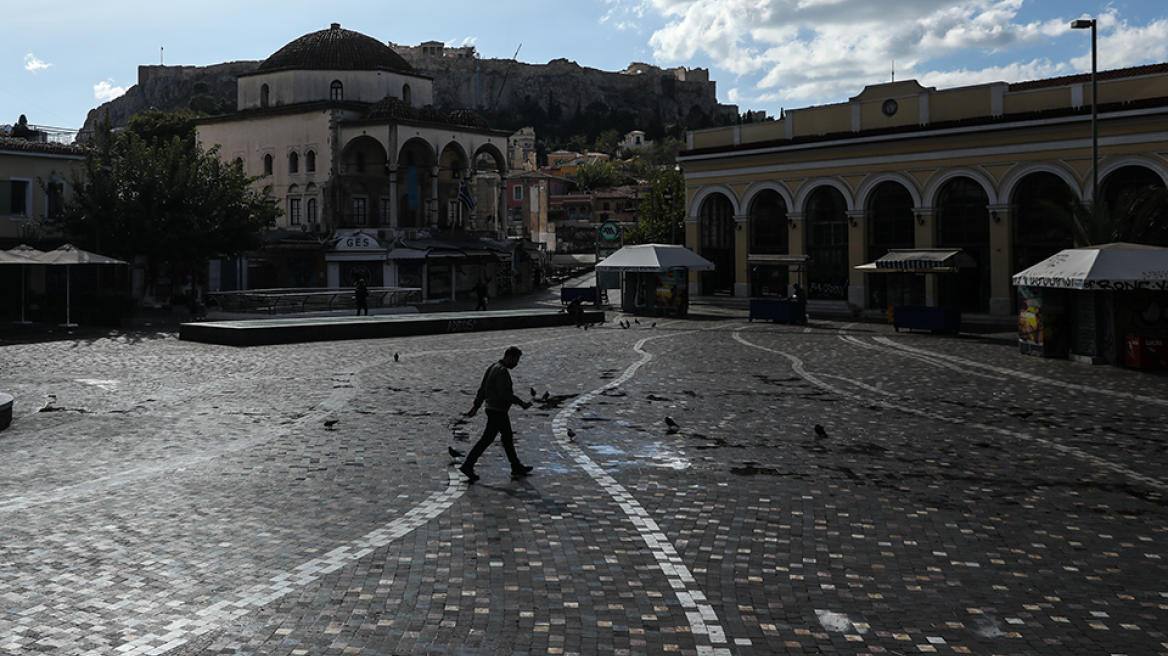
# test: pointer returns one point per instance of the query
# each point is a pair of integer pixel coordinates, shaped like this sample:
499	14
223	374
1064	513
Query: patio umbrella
1109	266
22	254
650	258
68	255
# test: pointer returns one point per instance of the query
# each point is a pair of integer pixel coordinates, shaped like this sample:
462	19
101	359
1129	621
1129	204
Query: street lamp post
1082	24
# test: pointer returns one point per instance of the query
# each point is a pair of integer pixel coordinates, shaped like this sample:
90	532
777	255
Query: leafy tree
1139	216
157	126
661	214
166	199
607	142
597	175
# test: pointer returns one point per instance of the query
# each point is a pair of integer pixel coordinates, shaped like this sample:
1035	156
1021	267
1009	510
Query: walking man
496	392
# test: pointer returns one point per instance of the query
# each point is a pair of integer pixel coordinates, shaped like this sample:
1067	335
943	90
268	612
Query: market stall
907	268
770	273
655	277
1105	302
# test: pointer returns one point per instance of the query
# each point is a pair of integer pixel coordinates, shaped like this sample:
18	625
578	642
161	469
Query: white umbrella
22	254
68	255
650	258
1117	266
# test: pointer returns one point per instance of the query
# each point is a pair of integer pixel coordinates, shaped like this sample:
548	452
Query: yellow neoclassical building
906	166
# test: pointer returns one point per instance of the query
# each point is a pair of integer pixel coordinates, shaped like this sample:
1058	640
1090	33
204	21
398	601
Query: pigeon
454	453
571	434
1024	415
654	325
329	423
637	321
546	395
671	424
396	356
533	392
821	432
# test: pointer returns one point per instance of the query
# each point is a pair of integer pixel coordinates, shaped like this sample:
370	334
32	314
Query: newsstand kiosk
769	272
905	264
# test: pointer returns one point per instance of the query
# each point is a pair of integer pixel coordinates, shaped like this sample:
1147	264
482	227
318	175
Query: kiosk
908	263
655	277
792	307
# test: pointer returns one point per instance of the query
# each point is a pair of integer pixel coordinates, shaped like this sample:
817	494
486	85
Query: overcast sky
59	60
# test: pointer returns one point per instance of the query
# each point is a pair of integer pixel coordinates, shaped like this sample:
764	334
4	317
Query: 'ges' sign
358	241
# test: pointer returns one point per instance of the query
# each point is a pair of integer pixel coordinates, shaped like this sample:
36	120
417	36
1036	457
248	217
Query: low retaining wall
321	329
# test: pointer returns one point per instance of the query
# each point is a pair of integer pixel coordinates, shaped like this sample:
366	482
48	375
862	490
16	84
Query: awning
920	260
1117	266
574	259
651	258
755	259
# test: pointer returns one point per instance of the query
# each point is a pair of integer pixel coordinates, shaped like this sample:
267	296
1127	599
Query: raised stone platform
5	410
289	330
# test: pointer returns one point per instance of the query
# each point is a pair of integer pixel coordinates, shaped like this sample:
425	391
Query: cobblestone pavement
172	498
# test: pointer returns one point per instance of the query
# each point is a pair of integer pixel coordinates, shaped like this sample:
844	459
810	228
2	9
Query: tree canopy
661	214
162	196
1139	216
597	174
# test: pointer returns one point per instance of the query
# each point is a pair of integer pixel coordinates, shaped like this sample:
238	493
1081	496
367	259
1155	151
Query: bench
585	294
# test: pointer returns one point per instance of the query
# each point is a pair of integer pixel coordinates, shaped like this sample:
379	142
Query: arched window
360	161
311	216
827	244
310	161
1037	231
890	225
239	162
963	221
768	224
264	96
293	162
716	221
268	164
407	95
336	91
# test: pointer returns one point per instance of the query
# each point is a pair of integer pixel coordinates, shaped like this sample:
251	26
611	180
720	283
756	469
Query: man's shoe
521	470
469	473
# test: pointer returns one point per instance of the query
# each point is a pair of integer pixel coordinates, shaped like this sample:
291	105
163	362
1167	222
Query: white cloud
32	64
105	91
812	50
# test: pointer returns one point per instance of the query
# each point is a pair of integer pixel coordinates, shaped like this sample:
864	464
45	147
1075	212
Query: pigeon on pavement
820	432
454	453
329	423
395	357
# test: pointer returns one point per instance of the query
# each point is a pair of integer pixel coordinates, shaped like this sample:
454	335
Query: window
386	211
358	211
312	210
268	164
294	211
293	162
264	96
54	198
336	91
14	197
407	95
239	162
360	161
310	161
518	194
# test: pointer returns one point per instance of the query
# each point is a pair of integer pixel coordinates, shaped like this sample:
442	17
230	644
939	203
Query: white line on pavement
702	617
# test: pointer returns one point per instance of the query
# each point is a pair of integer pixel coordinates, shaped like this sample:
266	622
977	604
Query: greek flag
465	197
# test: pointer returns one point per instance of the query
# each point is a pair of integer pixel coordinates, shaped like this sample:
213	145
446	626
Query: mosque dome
469	119
336	49
391	108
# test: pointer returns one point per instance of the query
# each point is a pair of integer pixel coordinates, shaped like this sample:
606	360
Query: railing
292	300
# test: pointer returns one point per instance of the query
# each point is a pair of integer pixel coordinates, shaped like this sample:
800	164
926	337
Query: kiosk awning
650	258
1108	266
920	260
757	259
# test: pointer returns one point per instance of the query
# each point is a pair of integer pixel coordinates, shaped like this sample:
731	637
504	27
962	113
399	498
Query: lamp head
1082	24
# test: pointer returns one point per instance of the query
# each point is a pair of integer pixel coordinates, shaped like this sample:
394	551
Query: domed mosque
342	133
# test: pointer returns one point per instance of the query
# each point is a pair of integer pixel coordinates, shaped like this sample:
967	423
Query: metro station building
906	166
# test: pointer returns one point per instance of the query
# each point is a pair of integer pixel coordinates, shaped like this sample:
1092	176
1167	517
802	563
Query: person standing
362	295
497	393
480	291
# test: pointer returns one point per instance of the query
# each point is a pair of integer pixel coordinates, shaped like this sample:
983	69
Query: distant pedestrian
496	391
576	309
480	292
362	296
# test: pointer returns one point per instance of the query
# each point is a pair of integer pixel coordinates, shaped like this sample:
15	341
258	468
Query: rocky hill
560	98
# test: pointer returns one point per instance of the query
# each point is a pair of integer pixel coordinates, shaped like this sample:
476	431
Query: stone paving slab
183	498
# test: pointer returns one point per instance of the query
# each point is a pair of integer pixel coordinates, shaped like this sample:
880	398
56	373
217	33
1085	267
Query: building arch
825	234
414	166
935	183
864	191
707	191
1112	165
293	162
1036	231
811	186
1009	185
363	155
